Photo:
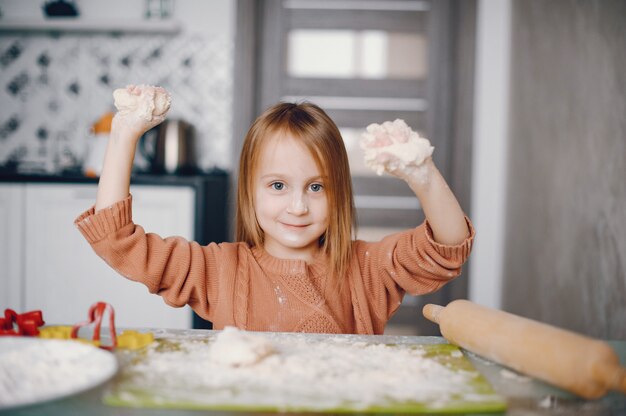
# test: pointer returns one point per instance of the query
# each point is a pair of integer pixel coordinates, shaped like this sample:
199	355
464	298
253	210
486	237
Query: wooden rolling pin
582	365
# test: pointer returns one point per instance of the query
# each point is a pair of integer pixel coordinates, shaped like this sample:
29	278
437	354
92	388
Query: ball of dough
393	145
236	348
151	101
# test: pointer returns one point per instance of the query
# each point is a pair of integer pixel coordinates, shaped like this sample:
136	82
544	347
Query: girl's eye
316	187
278	186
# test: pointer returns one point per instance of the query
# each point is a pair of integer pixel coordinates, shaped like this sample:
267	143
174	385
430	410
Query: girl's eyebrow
281	176
272	175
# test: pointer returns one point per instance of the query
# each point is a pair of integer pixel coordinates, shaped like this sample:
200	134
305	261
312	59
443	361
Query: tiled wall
53	87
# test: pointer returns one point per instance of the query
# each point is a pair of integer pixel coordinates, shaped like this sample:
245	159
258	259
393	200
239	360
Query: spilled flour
303	371
33	370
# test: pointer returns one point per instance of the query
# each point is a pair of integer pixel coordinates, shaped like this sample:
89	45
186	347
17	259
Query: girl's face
290	199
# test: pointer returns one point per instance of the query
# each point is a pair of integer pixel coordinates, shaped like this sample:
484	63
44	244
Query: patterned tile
52	88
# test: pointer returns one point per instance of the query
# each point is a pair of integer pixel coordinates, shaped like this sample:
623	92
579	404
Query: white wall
214	17
198	16
491	121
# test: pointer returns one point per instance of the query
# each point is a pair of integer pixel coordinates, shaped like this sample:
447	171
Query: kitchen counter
525	396
136	178
211	194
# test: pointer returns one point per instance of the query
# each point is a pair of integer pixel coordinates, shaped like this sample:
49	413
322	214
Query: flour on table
511	375
302	372
153	101
233	347
548	402
394	146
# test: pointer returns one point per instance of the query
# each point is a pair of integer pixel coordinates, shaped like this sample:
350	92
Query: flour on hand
145	101
235	348
393	146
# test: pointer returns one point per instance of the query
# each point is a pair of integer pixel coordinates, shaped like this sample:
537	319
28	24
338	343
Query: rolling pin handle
621	385
613	377
432	311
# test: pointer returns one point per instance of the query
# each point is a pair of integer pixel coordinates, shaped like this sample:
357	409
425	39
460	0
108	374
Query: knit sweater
233	284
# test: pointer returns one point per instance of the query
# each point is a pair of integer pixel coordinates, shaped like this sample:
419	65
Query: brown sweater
234	284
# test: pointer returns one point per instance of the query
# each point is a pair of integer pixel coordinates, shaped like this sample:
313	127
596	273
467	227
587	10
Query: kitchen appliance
101	129
170	147
60	8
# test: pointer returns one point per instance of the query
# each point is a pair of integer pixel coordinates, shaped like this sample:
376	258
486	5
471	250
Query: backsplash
54	87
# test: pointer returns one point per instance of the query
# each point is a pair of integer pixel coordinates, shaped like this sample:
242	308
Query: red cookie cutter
96	312
27	323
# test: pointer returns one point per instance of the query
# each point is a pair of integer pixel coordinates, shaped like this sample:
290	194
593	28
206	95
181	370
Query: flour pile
394	146
35	370
301	372
236	348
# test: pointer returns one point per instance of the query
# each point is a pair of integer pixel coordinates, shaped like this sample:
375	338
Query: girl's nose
298	206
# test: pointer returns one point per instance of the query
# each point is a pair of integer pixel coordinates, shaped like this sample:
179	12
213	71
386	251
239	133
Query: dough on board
235	348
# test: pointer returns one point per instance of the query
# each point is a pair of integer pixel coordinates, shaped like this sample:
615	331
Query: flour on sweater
244	286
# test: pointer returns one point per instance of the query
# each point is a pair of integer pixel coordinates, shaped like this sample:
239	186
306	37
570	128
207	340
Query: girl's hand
140	108
415	175
394	148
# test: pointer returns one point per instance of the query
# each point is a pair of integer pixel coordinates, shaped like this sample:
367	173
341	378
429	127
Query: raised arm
394	148
440	206
139	109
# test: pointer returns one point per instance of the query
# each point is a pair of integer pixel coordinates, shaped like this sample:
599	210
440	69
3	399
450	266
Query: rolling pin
582	365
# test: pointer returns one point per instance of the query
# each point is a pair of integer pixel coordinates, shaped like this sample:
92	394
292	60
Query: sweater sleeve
172	267
408	262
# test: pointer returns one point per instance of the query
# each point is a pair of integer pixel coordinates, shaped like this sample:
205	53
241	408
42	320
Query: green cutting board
168	374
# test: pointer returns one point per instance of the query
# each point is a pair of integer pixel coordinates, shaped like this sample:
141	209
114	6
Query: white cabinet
11	240
62	276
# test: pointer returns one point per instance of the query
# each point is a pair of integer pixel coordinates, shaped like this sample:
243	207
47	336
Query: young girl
295	267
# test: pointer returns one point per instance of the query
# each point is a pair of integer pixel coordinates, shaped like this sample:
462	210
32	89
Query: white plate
35	370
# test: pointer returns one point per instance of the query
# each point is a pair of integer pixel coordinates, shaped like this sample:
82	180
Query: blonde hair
310	125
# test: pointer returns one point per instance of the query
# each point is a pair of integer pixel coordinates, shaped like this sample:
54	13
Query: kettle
169	147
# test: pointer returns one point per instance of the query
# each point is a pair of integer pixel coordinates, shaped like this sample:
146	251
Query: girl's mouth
295	226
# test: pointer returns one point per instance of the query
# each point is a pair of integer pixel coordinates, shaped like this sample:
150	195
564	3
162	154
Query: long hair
310	125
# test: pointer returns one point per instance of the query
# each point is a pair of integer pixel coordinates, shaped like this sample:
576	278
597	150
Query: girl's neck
308	254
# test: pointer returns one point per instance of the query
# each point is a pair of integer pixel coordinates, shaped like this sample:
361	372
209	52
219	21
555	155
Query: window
361	54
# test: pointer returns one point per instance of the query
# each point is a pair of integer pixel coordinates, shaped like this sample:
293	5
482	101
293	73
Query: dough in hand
394	146
150	102
236	348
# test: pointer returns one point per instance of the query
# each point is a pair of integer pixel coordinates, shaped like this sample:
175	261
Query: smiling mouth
294	225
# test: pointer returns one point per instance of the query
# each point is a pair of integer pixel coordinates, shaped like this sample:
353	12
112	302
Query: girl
295	267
